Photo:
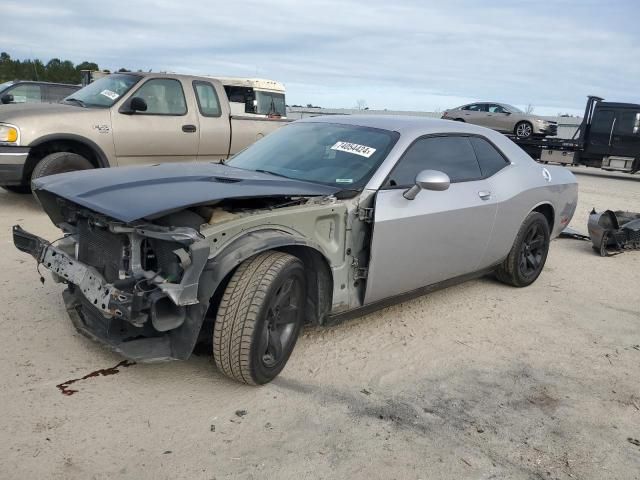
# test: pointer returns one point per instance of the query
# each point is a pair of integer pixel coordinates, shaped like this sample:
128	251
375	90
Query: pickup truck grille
101	249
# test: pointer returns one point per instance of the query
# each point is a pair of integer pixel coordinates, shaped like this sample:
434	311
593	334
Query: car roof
618	105
403	124
37	82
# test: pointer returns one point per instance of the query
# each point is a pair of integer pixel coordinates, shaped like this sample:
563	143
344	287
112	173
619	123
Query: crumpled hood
133	193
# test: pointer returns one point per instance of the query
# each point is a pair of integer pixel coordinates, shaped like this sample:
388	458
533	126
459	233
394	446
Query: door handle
484	194
188	128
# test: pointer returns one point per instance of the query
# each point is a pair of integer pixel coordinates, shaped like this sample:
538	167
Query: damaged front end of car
130	286
612	232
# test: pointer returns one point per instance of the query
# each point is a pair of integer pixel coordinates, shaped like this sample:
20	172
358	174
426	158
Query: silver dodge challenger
327	218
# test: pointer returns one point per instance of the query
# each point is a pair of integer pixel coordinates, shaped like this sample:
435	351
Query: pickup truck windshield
104	92
344	156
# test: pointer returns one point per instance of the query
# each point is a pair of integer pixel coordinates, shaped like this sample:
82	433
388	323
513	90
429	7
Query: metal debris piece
612	232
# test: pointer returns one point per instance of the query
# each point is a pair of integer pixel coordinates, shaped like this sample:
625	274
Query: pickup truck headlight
9	134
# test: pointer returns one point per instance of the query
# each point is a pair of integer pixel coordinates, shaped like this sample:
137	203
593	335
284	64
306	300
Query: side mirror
8	98
428	180
507	113
135	104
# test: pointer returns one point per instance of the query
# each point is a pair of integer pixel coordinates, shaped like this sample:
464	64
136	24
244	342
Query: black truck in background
608	138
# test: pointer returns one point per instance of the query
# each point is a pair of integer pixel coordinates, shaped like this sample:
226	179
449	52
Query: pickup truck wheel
523	130
528	254
60	162
17	188
259	318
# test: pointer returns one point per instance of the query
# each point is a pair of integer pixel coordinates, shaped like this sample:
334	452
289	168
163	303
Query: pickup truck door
625	141
438	235
215	127
601	131
166	131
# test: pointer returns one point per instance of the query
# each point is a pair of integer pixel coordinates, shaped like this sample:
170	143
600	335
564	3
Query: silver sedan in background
504	118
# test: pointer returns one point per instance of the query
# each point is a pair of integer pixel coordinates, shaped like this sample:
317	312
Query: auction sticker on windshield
109	94
354	148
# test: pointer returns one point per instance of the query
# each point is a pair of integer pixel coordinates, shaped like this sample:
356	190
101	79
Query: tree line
55	70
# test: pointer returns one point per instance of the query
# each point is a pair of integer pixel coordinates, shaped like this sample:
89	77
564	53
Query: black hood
133	193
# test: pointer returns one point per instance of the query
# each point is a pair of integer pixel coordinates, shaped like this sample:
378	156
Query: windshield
104	92
512	109
269	103
344	156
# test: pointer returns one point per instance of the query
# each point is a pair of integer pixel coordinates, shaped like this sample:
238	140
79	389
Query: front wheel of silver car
259	317
523	130
528	254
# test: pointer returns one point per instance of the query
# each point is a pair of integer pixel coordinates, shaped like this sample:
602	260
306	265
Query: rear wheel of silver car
60	162
529	253
523	130
259	318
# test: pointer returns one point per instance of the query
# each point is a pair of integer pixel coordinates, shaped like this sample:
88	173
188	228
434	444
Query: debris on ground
241	413
612	232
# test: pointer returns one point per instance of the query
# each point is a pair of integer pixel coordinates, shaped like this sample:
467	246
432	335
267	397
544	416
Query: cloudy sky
405	55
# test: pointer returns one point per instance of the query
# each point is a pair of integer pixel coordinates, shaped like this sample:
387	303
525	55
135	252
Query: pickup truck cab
124	119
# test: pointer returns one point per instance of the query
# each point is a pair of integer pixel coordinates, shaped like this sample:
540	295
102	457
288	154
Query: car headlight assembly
544	122
9	135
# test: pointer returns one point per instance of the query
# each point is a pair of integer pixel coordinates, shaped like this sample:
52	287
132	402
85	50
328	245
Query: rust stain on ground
103	372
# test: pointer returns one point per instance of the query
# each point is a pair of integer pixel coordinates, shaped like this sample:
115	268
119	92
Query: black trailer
608	138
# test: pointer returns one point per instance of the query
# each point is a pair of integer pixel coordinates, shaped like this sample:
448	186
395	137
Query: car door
498	118
25	93
439	234
166	131
472	113
601	131
625	141
215	129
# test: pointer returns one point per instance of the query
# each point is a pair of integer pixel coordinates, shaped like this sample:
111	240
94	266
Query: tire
17	188
523	130
252	339
524	263
60	162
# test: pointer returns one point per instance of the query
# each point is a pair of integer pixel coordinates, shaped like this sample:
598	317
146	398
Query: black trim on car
385	185
100	155
334	318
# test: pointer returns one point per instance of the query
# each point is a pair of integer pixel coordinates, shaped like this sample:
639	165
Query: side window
26	93
496	109
628	123
207	97
473	108
164	96
452	155
490	160
602	121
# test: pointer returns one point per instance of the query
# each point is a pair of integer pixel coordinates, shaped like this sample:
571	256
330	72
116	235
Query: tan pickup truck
129	119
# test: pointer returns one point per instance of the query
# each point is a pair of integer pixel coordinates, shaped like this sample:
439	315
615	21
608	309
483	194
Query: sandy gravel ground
479	381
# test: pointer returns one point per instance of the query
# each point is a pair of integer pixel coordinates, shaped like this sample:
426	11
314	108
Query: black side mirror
507	113
8	98
133	105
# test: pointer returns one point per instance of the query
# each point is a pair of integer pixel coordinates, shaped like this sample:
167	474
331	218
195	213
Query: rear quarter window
491	160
